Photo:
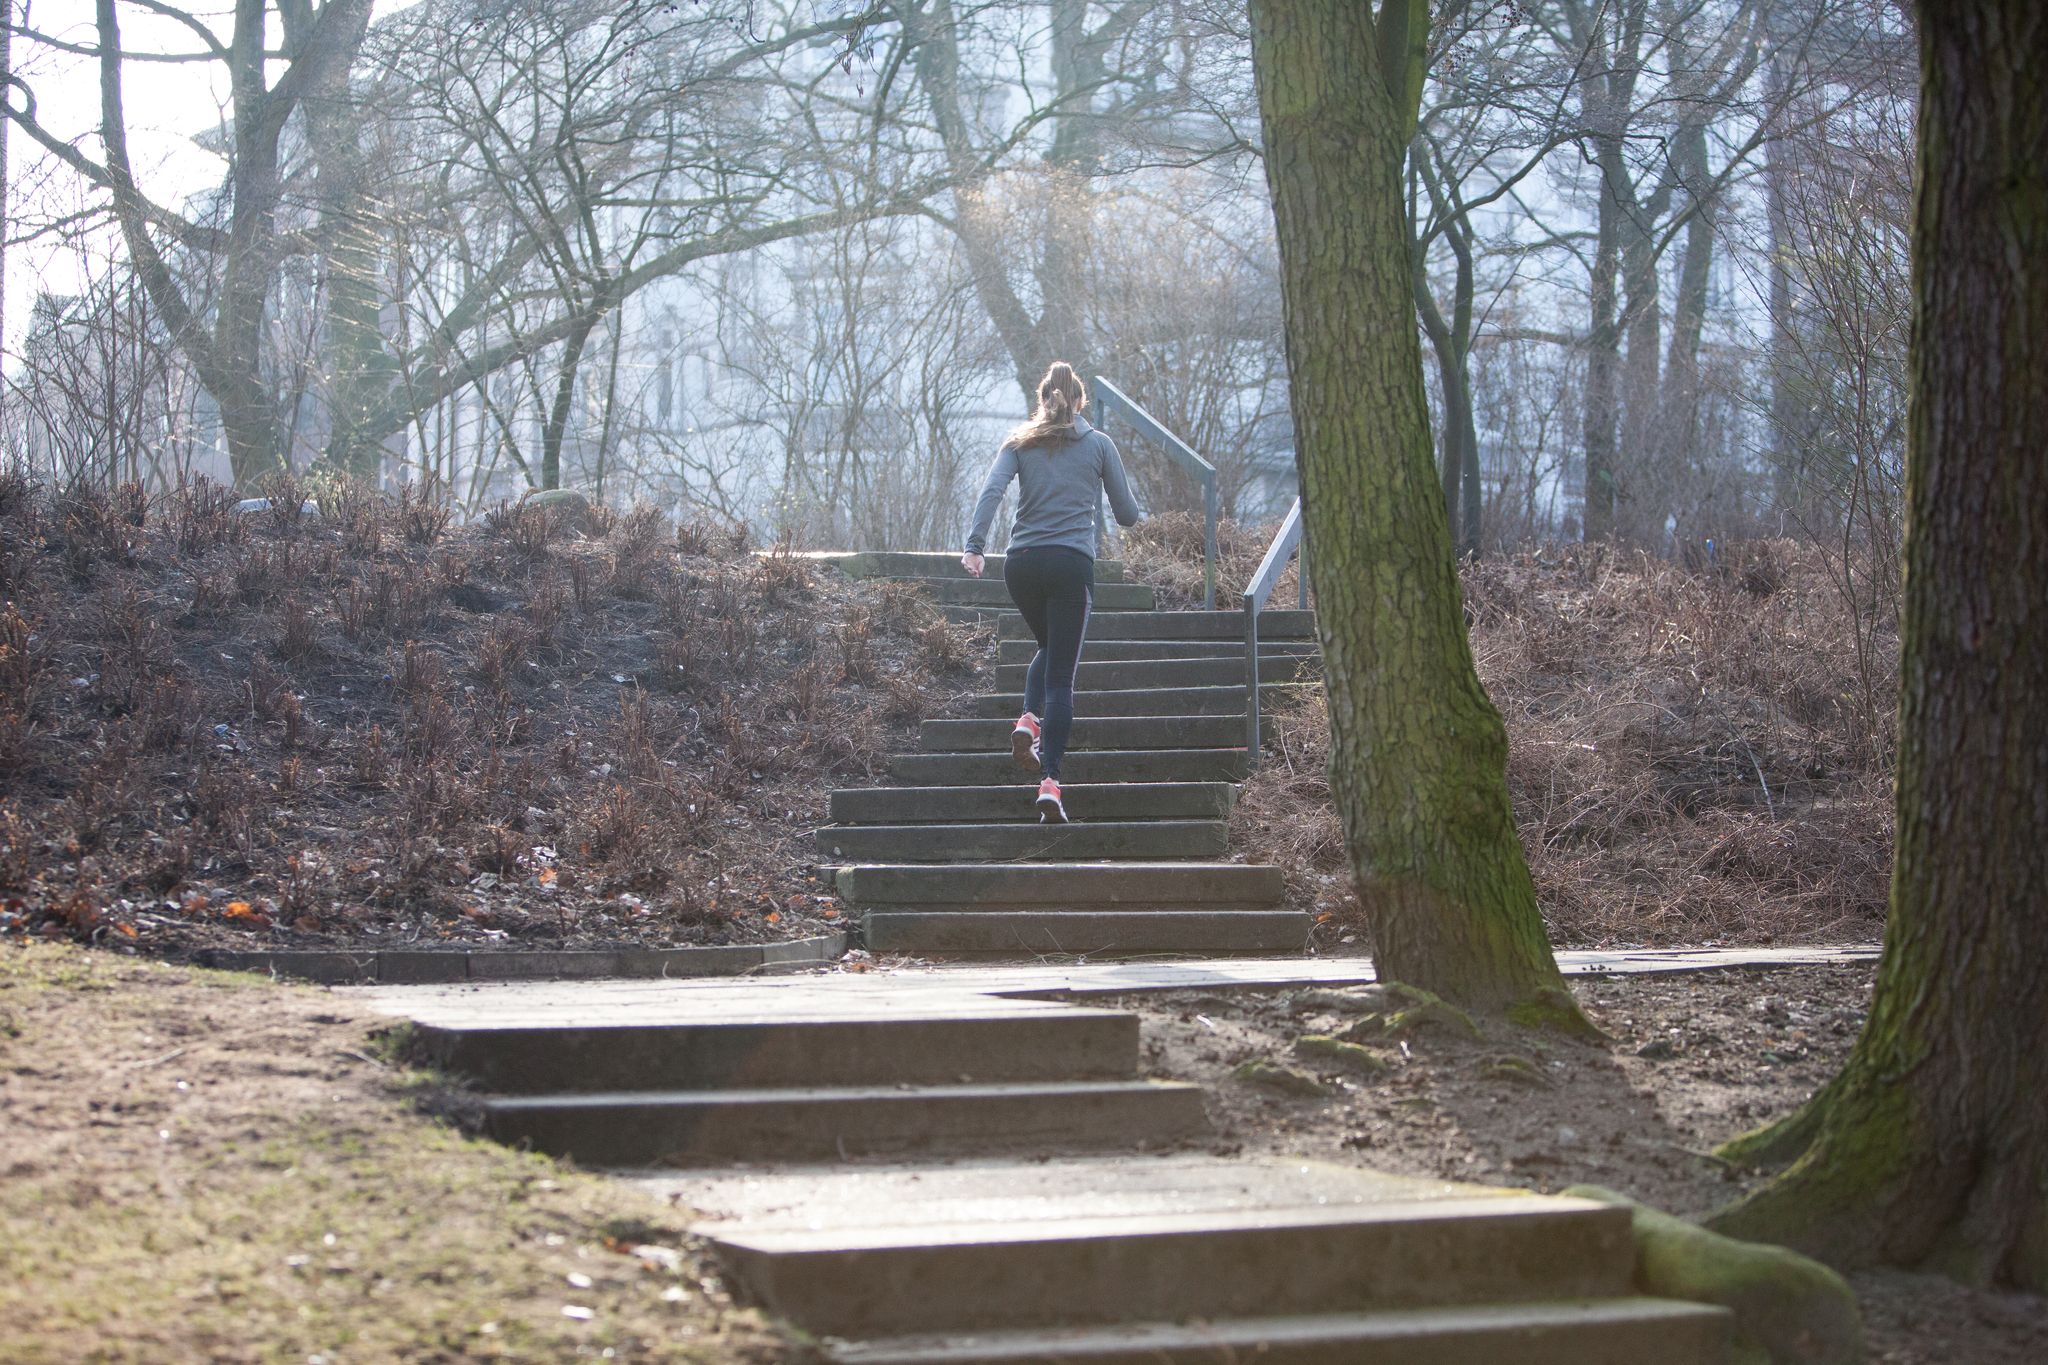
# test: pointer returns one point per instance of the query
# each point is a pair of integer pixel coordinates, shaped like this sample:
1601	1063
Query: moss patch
1789	1310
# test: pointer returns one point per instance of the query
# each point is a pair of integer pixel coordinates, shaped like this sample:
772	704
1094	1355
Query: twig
154	1061
363	1057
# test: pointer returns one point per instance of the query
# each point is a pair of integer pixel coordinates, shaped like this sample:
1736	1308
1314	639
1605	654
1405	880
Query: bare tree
239	235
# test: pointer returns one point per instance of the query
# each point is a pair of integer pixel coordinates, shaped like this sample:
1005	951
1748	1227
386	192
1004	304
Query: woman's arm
1117	485
999	475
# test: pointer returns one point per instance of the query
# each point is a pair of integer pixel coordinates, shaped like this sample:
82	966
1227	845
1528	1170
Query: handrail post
1209	543
1251	684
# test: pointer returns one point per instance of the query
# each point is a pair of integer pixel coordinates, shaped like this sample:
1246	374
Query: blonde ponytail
1061	397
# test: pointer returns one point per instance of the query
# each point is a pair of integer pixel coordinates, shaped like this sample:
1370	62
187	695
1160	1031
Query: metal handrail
1113	399
1286	542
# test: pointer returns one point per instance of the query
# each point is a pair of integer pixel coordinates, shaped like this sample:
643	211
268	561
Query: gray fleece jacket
1058	484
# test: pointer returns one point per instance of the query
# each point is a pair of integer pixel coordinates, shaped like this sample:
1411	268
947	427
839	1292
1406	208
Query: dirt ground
1692	1061
209	1167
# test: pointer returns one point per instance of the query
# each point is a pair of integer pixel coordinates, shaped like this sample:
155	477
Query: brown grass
209	1167
1166	551
1688	759
369	727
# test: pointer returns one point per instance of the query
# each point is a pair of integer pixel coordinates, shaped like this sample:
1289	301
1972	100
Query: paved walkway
902	991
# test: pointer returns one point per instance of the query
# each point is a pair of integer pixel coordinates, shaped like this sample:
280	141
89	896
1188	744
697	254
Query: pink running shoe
1051	811
1024	742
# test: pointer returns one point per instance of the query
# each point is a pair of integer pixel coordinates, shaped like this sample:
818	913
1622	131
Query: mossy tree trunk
1931	1147
1418	753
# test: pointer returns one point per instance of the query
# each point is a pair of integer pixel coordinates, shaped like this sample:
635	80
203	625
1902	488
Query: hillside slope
554	726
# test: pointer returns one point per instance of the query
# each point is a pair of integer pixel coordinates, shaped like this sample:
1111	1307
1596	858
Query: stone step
1218	700
817	1123
1619	1331
1111	651
931	564
1179	625
928	1045
1089	732
1094	933
1085	802
1106	766
992	592
890	1278
1059	886
1023	841
1163	673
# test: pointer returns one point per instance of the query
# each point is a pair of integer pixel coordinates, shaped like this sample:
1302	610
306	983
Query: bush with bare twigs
1687	754
372	727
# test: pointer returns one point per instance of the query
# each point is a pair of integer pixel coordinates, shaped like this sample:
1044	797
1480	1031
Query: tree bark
557	425
1602	417
1931	1147
357	367
1418	753
1678	429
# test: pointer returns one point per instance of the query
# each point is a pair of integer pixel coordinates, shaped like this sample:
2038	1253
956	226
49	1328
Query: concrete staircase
1190	1260
956	863
1010	1233
697	1078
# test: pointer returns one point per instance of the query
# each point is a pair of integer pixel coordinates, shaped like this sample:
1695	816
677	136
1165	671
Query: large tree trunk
1931	1147
1418	753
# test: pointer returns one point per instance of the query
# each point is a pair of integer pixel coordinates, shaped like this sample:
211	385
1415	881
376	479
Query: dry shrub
288	494
781	575
357	508
297	640
423	511
318	749
22	533
857	662
1685	753
1166	551
202	517
98	525
527	528
638	544
705	536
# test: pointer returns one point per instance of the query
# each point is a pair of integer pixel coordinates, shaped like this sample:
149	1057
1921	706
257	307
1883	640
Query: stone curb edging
422	967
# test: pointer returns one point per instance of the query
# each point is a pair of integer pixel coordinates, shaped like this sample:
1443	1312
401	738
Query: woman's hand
972	563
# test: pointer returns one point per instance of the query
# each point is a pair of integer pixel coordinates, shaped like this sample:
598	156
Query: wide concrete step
1219	700
887	1279
1085	802
1179	625
1107	651
656	1128
1024	841
1063	886
1090	732
992	592
1163	673
1621	1331
1094	933
933	1045
932	564
1102	766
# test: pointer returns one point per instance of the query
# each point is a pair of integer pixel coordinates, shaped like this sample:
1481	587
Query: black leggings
1054	587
